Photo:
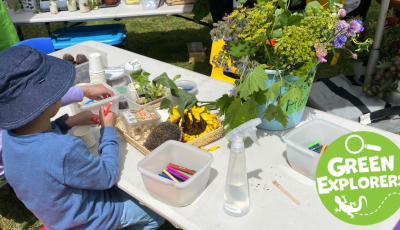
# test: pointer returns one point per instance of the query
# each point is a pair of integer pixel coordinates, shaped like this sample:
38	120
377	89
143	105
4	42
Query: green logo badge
358	178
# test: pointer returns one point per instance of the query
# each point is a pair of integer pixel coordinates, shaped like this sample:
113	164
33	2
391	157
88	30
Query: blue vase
294	110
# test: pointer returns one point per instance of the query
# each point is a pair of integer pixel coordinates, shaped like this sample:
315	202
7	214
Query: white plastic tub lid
114	73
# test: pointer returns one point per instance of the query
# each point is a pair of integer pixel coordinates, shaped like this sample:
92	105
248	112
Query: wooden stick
286	192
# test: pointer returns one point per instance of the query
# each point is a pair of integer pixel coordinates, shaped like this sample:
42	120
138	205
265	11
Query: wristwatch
61	123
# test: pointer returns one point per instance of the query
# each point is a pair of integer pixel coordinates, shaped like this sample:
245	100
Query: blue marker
101	96
164	176
88	102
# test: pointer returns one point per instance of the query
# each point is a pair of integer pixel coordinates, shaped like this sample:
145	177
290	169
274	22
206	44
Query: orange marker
170	176
323	149
108	108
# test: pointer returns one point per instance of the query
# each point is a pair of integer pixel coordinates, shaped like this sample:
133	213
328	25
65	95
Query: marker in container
107	109
186	174
318	148
192	172
170	176
314	147
323	149
88	102
177	172
313	144
164	176
176	175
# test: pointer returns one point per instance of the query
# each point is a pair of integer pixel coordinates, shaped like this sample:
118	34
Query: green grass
164	39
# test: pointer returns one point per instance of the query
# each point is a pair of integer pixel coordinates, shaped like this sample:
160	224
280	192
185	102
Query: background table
269	207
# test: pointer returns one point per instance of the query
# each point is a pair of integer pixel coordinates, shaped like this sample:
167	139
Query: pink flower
342	13
355	56
320	52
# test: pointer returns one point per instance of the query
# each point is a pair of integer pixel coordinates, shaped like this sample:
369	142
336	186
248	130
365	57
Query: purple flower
228	39
340	41
354	28
341	26
243	65
362	27
227	69
320	52
342	13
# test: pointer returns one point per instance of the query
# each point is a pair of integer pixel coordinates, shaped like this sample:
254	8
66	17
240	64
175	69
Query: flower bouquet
275	53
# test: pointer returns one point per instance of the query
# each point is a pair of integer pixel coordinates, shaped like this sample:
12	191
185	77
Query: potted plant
151	92
275	53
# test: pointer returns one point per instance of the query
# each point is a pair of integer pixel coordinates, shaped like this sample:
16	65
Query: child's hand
93	91
108	120
81	119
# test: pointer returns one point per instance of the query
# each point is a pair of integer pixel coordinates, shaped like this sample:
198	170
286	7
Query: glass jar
71	5
84	6
53	7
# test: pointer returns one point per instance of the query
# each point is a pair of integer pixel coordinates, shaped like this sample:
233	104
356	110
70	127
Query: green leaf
17	6
314	4
273	90
278	12
276	112
295	20
188	100
389	82
145	74
241	48
282	4
242	1
284	17
164	80
166	104
136	74
210	106
239	113
200	10
224	102
385	65
176	77
277	33
253	83
261	97
293	94
332	4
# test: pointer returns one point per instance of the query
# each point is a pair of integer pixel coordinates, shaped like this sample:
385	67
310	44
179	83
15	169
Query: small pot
141	101
110	2
71	5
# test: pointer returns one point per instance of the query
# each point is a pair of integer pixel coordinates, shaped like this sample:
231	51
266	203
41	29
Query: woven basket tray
179	2
198	142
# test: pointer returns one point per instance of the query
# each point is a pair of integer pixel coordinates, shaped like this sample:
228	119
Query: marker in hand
107	109
101	96
96	120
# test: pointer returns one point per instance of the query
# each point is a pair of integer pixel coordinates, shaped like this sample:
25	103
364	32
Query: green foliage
314	5
223	103
239	113
293	94
273	90
304	69
295	19
165	81
188	100
384	65
17	6
282	3
284	17
200	10
240	48
166	104
253	83
276	112
389	82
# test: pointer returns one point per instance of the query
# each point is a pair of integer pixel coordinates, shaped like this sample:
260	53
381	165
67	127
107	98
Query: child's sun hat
30	82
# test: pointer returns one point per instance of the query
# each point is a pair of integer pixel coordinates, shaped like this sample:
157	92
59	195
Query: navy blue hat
30	82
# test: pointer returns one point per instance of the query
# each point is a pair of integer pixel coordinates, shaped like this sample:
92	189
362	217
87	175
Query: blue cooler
112	34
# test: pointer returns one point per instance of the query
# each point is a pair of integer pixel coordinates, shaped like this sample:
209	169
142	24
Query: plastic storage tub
82	70
139	130
112	34
61	5
150	4
170	192
94	107
133	105
189	86
302	159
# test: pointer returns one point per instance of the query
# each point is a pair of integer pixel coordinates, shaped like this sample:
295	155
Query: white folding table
269	207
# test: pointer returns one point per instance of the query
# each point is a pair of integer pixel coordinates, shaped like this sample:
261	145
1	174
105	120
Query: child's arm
83	170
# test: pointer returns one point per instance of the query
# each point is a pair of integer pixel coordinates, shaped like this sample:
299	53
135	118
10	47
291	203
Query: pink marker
177	172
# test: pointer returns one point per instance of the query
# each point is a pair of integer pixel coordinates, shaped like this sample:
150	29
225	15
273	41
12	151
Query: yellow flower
191	118
210	149
197	111
175	116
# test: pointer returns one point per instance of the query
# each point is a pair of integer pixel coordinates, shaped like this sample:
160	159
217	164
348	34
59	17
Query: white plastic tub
82	70
94	107
188	86
170	192
133	105
302	159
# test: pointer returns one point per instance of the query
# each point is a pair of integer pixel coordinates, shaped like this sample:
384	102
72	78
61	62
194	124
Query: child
54	174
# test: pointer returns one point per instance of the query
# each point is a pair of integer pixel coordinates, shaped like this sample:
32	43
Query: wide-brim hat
30	82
